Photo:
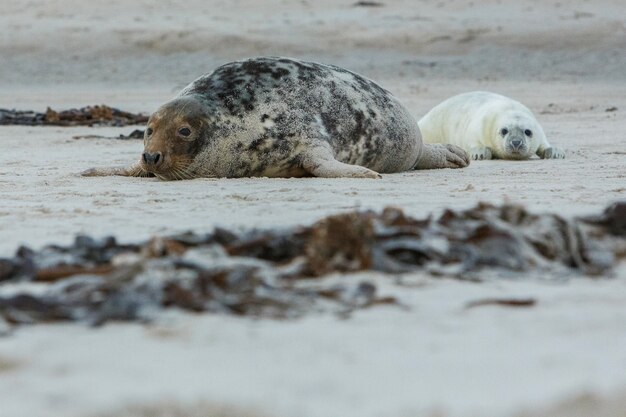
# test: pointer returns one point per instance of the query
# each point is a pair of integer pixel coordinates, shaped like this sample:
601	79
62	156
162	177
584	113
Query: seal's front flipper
334	169
480	153
442	156
321	163
134	170
551	153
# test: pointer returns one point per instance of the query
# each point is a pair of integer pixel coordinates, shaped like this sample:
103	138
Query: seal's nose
517	143
152	159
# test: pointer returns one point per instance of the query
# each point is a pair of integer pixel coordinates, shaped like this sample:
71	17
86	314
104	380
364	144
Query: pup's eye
528	133
149	131
185	131
504	131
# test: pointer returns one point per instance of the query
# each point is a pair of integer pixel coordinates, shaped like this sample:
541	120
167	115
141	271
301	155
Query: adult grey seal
280	117
488	126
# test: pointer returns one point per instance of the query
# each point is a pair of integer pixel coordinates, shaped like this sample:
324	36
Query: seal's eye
184	131
504	131
528	133
149	131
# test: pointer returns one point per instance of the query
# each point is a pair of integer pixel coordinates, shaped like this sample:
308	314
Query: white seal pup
280	117
488	125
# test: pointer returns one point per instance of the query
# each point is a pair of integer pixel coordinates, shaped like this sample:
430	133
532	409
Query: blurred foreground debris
282	273
101	115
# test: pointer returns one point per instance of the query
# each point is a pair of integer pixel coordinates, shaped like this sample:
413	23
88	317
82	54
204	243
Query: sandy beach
565	356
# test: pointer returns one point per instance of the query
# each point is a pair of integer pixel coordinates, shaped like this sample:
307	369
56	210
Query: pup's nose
152	159
516	143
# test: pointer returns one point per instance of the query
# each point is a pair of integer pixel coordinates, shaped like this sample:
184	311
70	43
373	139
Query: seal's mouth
170	169
517	153
517	148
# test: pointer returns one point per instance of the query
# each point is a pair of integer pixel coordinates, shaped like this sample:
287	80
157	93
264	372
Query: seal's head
174	135
516	137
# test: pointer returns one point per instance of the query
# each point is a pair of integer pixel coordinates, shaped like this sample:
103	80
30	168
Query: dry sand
565	60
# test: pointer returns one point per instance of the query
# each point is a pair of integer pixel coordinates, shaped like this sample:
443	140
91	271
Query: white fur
474	121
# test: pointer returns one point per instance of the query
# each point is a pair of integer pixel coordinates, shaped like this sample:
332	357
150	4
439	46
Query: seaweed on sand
283	273
99	115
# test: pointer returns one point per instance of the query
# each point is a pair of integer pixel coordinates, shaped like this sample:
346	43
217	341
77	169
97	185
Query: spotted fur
282	117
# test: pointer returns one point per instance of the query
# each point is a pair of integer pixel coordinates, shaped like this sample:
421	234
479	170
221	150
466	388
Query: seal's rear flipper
442	156
134	170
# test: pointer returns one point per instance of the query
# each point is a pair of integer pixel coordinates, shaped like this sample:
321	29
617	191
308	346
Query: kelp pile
283	273
135	134
99	115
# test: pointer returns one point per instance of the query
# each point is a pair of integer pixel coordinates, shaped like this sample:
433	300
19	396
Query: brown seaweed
135	134
98	115
503	302
368	4
282	273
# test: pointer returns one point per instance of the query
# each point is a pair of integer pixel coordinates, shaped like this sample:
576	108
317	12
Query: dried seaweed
280	274
101	115
613	219
503	302
135	134
368	4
